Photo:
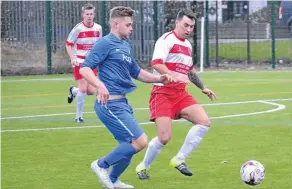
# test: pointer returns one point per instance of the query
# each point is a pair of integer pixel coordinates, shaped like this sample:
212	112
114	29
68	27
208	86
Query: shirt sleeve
72	37
161	51
135	69
97	55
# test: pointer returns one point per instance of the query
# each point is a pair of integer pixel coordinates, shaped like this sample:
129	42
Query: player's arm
137	73
89	76
147	77
195	79
69	50
160	54
161	68
95	57
71	39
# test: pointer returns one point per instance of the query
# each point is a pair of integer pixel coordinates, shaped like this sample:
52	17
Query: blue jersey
116	65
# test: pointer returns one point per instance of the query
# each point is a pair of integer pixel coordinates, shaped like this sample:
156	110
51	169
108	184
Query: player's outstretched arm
89	76
147	77
194	78
162	69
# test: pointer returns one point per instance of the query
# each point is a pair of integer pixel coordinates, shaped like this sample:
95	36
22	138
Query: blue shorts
118	117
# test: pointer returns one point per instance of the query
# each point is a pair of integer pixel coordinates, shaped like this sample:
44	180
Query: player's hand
103	95
181	78
209	93
74	62
165	78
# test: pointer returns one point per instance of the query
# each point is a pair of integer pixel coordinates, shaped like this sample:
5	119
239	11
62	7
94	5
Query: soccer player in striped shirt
116	67
78	44
173	55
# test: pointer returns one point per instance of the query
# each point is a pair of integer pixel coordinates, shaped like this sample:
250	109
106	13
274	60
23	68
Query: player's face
185	27
88	16
125	26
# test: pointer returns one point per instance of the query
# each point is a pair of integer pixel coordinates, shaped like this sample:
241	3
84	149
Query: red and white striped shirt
82	39
176	54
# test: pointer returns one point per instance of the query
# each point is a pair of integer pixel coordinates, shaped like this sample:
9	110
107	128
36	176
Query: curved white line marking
215	104
278	108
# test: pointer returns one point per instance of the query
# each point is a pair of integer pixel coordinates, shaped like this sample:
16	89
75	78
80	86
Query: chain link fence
33	32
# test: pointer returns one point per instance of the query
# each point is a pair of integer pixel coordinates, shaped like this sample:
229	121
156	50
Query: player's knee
143	143
164	138
140	143
90	92
205	122
82	90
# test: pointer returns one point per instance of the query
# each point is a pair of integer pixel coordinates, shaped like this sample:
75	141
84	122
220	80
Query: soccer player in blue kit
112	55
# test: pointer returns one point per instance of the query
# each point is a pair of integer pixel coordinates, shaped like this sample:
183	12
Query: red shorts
77	75
169	102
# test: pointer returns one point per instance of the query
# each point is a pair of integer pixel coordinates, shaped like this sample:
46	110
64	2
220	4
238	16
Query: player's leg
122	165
197	115
80	100
164	133
72	89
161	112
127	131
90	90
163	125
80	94
72	93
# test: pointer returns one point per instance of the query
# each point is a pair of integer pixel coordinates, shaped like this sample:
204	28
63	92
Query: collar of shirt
115	38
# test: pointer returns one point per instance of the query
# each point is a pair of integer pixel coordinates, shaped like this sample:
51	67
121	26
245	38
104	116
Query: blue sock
123	151
119	168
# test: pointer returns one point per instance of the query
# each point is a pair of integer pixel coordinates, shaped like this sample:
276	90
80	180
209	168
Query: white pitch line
69	79
40	79
51	115
215	104
278	108
206	72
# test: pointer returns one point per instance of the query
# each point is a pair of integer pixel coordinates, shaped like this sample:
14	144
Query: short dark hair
121	11
88	6
186	12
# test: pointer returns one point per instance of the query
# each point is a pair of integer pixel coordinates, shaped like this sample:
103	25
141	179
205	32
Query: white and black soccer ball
252	172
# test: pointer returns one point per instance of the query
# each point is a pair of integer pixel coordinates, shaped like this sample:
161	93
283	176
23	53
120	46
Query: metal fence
33	32
248	33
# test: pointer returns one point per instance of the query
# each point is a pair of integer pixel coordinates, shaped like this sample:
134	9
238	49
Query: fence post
141	25
104	17
217	46
49	36
207	64
273	35
155	18
246	6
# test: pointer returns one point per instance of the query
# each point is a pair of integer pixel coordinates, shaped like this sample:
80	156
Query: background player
173	56
79	42
116	66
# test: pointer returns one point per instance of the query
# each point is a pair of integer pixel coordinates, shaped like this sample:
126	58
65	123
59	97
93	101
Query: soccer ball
252	172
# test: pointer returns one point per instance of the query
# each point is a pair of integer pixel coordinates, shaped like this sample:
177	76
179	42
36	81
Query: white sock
154	148
75	90
80	99
192	140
